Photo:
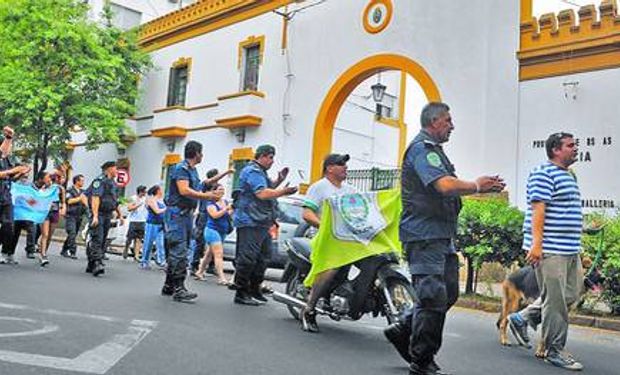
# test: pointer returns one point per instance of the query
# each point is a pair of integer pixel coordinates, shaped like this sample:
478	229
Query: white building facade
235	74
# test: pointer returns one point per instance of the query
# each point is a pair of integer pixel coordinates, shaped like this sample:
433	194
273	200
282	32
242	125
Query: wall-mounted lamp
170	146
240	135
378	90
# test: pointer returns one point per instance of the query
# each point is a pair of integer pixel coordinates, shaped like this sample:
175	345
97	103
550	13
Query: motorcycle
375	285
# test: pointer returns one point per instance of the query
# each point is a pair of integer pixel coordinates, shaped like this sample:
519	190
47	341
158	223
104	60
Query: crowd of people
189	226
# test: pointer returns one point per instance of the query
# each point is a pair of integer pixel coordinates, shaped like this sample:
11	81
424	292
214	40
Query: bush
606	233
489	230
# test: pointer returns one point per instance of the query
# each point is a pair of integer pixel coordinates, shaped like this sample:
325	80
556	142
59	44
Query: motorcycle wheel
402	298
295	288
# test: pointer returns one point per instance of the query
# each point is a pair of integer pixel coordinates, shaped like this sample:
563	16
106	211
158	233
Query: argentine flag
30	204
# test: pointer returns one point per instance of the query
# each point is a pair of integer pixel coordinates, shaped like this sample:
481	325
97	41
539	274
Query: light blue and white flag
30	204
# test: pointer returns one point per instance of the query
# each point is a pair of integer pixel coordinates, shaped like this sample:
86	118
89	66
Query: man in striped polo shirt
552	237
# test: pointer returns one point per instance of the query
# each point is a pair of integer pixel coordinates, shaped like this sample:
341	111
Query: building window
251	65
177	87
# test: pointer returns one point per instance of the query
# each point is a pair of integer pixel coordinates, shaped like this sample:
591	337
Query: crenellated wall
555	45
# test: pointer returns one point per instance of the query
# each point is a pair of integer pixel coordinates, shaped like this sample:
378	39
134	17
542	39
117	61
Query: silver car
290	216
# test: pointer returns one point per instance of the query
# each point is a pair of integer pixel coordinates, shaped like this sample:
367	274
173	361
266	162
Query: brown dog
519	289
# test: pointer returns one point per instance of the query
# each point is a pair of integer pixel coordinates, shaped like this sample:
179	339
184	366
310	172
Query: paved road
60	320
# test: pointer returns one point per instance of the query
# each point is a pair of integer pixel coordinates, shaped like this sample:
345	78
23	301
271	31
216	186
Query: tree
489	230
61	72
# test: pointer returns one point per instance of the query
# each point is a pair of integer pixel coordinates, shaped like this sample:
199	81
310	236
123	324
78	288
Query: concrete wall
585	105
468	48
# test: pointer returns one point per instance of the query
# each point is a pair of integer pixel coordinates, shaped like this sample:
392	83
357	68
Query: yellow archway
342	88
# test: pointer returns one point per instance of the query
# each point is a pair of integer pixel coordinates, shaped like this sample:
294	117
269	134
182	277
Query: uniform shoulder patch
433	159
96	184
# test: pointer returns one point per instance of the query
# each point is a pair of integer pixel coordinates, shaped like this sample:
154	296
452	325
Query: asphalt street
60	320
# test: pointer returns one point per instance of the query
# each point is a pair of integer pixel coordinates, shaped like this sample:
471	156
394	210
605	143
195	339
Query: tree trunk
469	283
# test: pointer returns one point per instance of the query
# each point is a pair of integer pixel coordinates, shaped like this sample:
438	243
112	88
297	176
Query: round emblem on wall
377	15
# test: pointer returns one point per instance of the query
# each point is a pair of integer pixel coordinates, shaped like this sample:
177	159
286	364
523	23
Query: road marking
98	360
47	327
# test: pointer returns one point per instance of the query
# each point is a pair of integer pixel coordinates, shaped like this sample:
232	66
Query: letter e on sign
122	178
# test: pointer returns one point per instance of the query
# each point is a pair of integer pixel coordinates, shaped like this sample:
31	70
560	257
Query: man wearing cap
332	183
8	172
255	213
103	203
182	199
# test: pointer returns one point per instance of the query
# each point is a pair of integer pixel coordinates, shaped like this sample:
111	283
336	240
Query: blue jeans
153	233
178	224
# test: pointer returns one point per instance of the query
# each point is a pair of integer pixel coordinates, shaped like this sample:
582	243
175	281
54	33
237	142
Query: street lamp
378	90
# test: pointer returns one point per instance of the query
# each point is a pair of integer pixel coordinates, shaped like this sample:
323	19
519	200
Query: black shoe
416	369
183	295
435	369
64	254
98	269
89	267
105	257
398	336
518	327
308	321
73	256
258	296
244	298
30	255
167	290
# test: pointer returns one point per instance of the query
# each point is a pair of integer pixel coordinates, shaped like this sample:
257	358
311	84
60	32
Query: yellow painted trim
342	88
388	121
556	45
169	132
251	41
181	108
239	122
242	93
285	21
402	133
388	18
183	62
201	18
244	153
171	159
527	10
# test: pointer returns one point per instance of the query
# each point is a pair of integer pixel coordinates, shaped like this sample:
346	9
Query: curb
576	319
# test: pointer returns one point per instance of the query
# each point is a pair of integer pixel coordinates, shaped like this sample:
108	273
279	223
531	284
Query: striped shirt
558	189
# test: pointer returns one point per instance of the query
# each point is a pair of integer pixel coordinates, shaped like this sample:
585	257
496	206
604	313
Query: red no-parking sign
122	177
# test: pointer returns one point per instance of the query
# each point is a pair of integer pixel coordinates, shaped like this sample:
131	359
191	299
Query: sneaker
144	267
8	259
308	321
518	327
30	255
44	261
167	290
73	256
258	296
64	254
183	295
563	360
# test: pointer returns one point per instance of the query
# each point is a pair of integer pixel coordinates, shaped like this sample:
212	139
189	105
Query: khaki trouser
560	278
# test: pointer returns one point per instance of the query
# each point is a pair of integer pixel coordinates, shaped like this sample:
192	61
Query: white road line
47	327
98	360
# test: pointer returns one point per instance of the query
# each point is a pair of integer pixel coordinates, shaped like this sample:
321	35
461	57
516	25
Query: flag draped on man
353	227
30	204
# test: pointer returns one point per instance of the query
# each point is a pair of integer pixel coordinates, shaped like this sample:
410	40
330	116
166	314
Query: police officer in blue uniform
181	201
255	214
76	208
103	199
431	204
8	172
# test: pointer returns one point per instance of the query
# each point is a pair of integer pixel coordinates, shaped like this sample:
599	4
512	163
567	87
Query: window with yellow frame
251	53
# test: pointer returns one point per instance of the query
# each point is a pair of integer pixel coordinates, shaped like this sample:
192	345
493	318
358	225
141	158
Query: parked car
289	217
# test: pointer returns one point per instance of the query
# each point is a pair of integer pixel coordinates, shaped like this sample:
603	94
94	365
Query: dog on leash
521	288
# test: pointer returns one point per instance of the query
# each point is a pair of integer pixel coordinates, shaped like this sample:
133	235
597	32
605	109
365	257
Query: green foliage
60	71
490	230
607	260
